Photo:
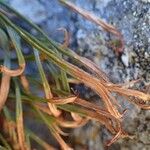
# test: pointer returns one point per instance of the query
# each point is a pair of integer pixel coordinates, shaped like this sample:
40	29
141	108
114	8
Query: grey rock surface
31	9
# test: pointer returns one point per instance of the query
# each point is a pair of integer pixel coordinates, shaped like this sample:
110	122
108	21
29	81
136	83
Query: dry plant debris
57	98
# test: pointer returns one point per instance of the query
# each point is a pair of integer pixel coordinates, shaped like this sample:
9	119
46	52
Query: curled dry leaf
13	73
58	101
4	89
62	122
52	107
92	113
73	124
129	92
76	117
62	101
66	37
115	138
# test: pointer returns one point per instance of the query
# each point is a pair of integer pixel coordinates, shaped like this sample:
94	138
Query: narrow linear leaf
3	140
50	124
39	140
16	42
46	86
19	118
10	128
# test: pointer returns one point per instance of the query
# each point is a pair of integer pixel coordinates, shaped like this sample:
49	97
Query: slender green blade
3	39
3	140
37	139
17	44
18	100
7	114
42	73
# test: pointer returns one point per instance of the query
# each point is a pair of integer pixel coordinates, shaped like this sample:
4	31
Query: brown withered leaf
13	73
73	124
25	83
66	37
20	133
129	92
4	89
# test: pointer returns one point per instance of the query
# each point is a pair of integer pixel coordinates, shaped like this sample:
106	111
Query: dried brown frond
116	137
129	92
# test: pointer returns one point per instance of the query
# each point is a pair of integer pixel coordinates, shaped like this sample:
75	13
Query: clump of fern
19	90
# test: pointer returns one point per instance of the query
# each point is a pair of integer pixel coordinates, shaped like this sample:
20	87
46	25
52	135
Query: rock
31	9
125	58
146	1
145	137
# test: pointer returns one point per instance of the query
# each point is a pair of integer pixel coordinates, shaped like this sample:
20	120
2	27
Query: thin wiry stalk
3	140
10	129
39	141
47	90
54	131
16	41
19	119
